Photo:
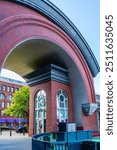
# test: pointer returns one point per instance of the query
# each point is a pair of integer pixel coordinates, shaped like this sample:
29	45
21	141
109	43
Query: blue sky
85	14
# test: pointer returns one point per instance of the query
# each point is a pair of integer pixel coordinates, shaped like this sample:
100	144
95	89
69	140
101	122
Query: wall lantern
89	108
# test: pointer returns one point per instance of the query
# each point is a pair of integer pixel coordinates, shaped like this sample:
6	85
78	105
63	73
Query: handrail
63	140
89	134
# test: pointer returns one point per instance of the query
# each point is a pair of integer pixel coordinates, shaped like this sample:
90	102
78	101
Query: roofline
48	9
12	81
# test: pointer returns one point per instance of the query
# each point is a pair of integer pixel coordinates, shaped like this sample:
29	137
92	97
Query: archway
32	41
28	61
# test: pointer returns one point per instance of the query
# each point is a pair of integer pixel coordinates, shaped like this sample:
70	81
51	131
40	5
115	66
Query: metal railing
80	140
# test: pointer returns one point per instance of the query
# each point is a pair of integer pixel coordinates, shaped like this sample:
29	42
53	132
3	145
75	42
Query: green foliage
20	103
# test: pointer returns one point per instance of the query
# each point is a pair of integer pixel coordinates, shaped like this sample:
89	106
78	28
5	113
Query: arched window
8	88
62	106
3	104
12	89
10	97
40	112
2	96
4	88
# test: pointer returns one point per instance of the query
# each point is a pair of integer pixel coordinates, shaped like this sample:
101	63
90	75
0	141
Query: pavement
17	141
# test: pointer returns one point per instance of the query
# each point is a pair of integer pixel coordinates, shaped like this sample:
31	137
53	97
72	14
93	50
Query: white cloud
10	74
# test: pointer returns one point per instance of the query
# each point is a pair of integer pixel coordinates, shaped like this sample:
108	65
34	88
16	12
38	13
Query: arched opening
2	96
35	40
32	54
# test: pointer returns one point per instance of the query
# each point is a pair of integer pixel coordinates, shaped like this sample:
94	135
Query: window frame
2	96
62	105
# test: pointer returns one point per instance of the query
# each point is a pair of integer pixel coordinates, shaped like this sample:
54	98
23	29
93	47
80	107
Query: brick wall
51	88
7	93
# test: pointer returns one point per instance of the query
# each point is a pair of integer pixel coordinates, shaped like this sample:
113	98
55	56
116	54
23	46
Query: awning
2	119
19	120
10	120
25	121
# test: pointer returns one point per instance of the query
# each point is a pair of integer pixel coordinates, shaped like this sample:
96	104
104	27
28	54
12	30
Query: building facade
43	46
7	88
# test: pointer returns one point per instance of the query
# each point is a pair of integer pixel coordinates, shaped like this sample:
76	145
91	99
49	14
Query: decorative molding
12	81
47	73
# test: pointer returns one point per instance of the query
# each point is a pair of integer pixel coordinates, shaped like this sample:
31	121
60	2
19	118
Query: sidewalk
15	142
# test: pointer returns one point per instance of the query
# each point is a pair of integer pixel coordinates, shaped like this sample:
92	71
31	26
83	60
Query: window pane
66	114
59	92
36	114
2	96
44	113
40	104
61	97
4	88
40	113
3	104
8	89
7	104
12	89
0	87
44	102
62	114
10	97
36	104
66	104
62	105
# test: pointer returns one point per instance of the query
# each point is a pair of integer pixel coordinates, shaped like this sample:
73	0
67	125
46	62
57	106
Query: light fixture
89	108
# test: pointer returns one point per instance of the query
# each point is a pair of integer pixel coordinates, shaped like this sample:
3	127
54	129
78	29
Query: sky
85	14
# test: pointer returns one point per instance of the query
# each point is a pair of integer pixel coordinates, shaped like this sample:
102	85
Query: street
15	142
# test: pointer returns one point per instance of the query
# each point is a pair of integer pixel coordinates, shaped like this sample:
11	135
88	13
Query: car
22	130
6	128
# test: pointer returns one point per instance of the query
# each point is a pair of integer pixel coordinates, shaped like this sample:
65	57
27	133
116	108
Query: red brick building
7	88
42	45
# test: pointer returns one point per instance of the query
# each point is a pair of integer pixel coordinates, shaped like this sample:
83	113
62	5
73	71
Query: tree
20	104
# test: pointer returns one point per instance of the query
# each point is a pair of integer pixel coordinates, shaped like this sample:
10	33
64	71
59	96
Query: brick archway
17	28
46	30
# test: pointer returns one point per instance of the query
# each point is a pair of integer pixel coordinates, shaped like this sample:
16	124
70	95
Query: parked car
21	130
6	128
